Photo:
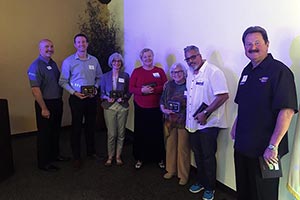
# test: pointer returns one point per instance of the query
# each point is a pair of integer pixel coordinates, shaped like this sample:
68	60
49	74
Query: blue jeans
204	145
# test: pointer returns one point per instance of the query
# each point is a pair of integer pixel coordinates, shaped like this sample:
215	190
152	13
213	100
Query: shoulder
34	65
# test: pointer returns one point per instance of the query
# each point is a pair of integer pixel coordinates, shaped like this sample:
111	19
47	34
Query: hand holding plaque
116	94
88	90
174	106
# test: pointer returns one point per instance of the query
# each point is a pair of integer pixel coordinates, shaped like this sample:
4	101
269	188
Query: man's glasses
193	57
176	72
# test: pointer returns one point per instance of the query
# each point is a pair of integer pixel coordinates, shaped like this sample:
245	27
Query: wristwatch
272	147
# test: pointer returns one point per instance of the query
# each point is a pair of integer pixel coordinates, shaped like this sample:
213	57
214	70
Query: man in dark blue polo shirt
267	101
43	75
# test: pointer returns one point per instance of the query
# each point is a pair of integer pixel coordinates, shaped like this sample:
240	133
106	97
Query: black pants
204	146
48	131
249	183
83	109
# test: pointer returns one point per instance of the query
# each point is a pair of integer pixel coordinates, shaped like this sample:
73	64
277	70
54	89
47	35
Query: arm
282	124
218	101
36	92
233	129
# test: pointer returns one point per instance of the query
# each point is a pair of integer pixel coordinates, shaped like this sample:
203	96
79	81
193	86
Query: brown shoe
182	181
108	163
168	175
119	162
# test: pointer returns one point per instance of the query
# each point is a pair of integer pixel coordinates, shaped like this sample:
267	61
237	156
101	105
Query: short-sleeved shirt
76	73
262	93
175	93
45	75
204	87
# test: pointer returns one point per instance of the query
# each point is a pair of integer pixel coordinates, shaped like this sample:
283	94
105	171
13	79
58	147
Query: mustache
253	51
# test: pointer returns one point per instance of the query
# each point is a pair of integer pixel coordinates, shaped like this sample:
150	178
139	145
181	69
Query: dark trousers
48	131
83	109
249	183
204	145
148	144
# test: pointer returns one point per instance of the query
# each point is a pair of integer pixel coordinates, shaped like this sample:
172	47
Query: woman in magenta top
146	84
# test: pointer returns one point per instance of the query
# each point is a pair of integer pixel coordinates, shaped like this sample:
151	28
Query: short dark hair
256	29
80	35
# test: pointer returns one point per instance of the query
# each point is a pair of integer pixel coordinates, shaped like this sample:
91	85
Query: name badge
244	79
156	75
91	67
121	80
49	67
185	93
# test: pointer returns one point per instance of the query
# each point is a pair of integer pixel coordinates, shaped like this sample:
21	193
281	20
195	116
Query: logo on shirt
244	79
199	82
264	79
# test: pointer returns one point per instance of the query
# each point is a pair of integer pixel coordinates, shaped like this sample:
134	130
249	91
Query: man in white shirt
206	83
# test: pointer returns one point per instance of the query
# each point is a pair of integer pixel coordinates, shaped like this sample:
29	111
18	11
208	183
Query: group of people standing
171	117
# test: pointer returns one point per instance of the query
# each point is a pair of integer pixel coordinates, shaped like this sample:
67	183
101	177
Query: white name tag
156	75
92	67
49	67
121	80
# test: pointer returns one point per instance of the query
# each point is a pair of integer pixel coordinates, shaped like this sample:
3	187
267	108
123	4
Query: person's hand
167	111
271	156
147	89
110	100
45	113
232	133
80	95
119	100
201	118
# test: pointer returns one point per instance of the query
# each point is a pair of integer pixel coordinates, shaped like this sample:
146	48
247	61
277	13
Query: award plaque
174	106
88	90
116	94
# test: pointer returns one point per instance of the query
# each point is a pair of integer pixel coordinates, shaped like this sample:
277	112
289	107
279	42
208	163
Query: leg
90	112
110	120
43	145
76	106
184	155
171	151
122	118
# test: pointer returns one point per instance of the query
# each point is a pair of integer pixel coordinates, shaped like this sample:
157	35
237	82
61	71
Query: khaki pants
178	158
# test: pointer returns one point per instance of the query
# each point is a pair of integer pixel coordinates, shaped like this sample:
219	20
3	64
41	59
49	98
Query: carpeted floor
94	181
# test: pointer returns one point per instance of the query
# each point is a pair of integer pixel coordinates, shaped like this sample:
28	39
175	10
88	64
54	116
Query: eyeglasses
176	72
193	57
117	61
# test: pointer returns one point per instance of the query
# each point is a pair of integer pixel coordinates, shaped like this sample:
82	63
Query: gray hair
190	48
113	56
180	65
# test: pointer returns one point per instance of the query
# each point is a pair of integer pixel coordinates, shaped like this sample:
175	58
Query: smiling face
147	59
193	59
46	49
256	49
81	44
178	75
116	64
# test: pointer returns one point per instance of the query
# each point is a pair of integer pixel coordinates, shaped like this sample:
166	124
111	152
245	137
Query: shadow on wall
295	57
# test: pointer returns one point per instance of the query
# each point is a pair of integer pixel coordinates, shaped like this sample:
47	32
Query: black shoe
49	168
62	158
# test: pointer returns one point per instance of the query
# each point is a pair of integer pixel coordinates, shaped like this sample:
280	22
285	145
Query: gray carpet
94	181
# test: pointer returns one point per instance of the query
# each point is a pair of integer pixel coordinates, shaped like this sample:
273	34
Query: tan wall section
23	24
